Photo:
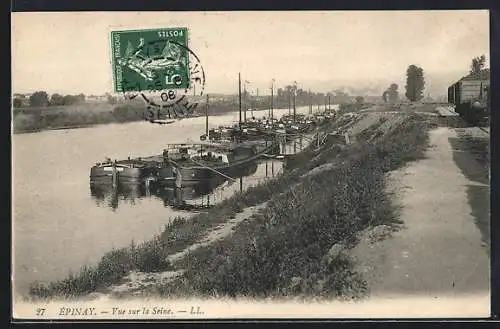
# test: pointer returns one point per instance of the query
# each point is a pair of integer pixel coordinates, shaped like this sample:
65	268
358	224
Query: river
59	225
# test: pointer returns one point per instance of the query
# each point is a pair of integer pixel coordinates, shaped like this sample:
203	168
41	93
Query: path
439	251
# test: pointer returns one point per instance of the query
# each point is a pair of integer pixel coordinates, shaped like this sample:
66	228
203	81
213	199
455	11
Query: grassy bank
294	246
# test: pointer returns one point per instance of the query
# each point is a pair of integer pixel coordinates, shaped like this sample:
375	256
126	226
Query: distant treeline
282	98
37	118
38	111
42	99
60	117
290	95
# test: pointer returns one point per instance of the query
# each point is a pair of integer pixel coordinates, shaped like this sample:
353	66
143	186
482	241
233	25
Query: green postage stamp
150	59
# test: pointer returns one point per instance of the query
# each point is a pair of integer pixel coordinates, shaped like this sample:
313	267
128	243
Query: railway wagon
471	98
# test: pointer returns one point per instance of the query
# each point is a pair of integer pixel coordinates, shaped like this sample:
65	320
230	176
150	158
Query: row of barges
221	152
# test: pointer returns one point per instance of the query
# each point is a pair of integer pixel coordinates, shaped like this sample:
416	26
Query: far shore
33	120
42	120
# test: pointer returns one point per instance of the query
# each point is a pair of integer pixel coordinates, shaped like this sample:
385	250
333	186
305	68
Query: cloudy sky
69	52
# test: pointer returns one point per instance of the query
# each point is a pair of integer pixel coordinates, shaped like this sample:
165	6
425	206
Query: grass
480	148
292	247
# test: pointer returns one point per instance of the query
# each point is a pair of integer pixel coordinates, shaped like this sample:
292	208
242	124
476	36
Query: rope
218	172
484	130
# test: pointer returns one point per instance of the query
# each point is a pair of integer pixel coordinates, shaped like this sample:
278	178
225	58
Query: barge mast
239	95
206	121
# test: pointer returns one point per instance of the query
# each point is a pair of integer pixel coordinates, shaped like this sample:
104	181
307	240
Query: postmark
158	66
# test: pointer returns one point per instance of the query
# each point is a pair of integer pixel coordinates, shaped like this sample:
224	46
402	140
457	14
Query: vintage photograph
272	164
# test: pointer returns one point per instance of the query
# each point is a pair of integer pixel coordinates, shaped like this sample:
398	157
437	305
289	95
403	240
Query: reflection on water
195	196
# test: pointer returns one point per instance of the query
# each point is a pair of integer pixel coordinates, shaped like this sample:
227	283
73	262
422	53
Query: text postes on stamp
150	60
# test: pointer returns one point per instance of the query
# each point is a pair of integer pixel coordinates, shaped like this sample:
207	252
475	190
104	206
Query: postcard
250	165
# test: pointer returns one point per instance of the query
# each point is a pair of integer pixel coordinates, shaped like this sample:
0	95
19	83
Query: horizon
372	53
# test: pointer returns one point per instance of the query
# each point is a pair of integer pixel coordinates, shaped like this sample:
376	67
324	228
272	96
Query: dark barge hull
194	174
100	174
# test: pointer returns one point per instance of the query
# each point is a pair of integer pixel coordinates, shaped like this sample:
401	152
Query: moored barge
130	170
187	164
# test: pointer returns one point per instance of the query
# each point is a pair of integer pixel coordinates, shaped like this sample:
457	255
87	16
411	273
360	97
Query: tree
341	96
17	102
111	99
73	99
360	100
477	64
56	100
415	83
39	98
392	93
385	96
280	94
69	100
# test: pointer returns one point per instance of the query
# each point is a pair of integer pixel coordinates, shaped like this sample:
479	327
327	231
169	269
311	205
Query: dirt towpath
439	250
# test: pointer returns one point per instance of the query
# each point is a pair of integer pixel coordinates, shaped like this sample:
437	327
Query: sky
69	52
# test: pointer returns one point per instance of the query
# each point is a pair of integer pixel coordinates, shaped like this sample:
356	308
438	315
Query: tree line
283	97
42	99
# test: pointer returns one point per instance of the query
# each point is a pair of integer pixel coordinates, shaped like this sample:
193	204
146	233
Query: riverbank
271	253
31	120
